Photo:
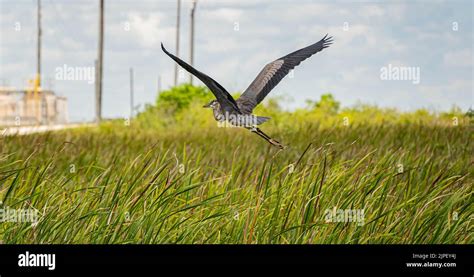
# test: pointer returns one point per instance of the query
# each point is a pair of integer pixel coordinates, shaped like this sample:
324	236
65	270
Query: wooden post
38	46
131	93
99	69
37	83
191	40
159	84
177	43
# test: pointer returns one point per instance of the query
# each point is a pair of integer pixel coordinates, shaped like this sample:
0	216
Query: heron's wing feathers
274	72
223	97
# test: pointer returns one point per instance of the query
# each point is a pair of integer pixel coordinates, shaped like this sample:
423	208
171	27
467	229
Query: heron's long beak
207	106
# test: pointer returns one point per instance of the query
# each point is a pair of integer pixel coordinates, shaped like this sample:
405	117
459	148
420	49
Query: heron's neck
218	115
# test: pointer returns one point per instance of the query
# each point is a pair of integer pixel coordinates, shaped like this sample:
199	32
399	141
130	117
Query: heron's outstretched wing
274	72
223	97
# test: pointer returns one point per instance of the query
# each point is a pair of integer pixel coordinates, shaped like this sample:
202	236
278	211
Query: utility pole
159	84
131	92
38	47
191	39
37	83
177	43
99	69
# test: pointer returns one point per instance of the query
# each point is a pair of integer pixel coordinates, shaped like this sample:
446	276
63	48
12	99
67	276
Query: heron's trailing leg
259	132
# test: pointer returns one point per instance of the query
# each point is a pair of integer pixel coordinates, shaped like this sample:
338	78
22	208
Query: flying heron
239	112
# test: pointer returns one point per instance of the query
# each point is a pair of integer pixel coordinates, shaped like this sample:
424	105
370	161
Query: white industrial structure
28	107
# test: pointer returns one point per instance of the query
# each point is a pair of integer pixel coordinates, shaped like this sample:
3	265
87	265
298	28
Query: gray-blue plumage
239	112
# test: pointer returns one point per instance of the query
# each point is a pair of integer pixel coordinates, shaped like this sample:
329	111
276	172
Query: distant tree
470	113
327	104
180	97
454	111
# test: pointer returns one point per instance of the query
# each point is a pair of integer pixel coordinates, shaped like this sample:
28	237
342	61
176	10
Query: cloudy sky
235	38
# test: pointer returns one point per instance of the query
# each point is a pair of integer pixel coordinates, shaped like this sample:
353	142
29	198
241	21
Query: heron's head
213	104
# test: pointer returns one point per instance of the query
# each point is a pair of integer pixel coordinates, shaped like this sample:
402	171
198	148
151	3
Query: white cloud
457	91
146	28
223	14
379	33
221	45
70	44
297	11
357	74
461	58
369	11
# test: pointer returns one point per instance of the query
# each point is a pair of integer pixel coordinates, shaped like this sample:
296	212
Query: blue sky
434	36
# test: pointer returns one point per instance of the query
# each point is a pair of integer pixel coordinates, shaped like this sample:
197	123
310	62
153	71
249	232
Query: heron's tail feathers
262	119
